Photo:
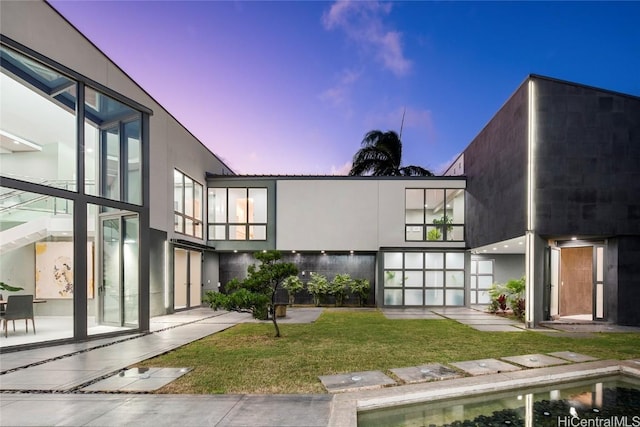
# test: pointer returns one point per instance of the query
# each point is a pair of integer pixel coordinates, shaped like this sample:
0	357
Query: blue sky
292	87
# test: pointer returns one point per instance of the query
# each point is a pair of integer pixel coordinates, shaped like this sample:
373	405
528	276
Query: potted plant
436	233
8	288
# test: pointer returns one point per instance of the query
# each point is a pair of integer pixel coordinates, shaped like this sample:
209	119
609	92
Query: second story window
434	214
237	213
187	205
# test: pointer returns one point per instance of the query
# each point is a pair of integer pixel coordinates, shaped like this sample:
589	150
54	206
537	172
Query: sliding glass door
118	292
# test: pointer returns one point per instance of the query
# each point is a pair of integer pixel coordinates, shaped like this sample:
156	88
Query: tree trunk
273	307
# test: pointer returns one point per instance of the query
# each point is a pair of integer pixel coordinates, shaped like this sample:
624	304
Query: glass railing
18	207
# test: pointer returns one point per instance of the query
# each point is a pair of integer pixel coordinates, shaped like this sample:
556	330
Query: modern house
113	212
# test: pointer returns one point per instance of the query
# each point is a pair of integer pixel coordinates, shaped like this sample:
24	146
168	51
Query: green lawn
248	359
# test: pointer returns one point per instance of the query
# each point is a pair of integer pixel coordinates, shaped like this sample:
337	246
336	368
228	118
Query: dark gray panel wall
588	161
359	266
157	257
210	272
496	170
628	289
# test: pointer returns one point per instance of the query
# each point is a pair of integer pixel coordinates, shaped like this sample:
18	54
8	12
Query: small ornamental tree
317	286
339	287
257	293
293	285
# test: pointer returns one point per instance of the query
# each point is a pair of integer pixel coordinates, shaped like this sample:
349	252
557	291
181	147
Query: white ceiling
511	246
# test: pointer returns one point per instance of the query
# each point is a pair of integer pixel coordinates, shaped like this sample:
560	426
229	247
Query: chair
19	307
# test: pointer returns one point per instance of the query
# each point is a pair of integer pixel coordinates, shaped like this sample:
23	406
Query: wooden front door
576	281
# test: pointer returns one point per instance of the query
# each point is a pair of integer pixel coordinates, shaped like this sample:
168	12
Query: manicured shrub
317	286
339	287
293	285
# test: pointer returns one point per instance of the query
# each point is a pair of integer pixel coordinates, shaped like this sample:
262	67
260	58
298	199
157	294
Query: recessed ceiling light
519	243
18	140
495	249
506	246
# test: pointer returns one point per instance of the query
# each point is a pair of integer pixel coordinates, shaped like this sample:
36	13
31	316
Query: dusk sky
292	87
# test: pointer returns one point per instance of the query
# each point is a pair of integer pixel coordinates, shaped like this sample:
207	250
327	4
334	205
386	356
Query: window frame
474	274
427	227
181	219
246	224
402	287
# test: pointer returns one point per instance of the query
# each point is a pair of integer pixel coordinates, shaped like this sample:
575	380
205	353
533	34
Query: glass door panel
180	269
110	289
130	256
195	278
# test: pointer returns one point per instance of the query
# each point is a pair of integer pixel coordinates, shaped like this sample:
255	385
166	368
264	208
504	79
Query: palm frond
415	171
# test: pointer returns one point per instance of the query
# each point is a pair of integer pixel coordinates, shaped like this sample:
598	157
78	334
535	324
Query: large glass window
37	123
481	279
237	213
187	202
41	141
434	214
423	278
112	151
37	255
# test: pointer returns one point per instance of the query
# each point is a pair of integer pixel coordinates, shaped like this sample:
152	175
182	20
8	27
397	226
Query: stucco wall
327	215
344	214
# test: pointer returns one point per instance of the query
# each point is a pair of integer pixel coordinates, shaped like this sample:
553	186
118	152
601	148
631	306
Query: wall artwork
54	270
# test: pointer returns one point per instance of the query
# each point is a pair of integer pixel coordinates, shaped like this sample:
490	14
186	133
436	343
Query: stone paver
411	313
485	366
535	360
355	381
573	357
430	372
138	379
497	328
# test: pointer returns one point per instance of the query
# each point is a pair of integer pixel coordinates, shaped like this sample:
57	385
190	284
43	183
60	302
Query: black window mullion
124	163
424	215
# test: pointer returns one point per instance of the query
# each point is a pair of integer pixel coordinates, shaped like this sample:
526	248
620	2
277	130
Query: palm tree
381	155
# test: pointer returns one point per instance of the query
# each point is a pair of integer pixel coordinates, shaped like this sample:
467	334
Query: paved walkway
476	319
47	386
52	385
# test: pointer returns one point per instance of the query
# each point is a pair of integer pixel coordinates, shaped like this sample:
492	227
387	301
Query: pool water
611	399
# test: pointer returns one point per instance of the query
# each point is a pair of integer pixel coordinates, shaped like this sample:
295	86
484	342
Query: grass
248	359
